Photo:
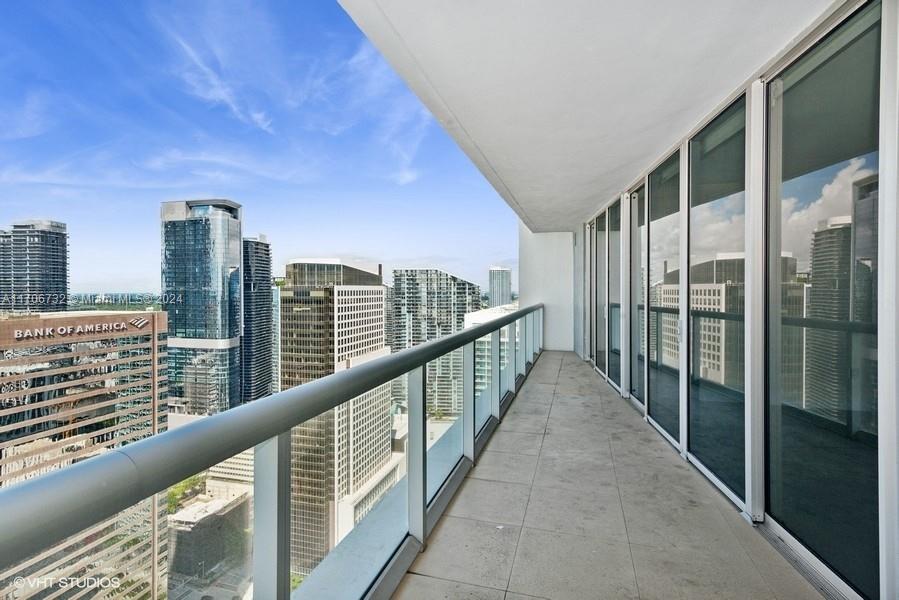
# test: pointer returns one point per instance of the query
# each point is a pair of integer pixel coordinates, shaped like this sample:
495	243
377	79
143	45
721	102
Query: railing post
271	518
417	455
512	356
468	420
530	344
522	347
496	384
540	330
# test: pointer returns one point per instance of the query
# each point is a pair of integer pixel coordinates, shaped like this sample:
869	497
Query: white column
683	299
754	304
887	293
626	295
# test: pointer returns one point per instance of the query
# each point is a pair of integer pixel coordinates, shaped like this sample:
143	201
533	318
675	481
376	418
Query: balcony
576	496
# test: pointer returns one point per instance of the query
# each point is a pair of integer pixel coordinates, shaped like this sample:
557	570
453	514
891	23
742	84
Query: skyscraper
500	286
429	304
332	318
77	385
34	266
276	333
829	295
256	341
201	291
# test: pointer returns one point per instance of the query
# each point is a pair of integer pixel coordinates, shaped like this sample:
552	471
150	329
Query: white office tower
500	286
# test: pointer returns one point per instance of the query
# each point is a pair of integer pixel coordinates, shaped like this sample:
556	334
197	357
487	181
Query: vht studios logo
139	322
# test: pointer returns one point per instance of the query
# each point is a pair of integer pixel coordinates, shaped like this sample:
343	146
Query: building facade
74	385
332	318
201	291
34	266
429	304
500	286
256	340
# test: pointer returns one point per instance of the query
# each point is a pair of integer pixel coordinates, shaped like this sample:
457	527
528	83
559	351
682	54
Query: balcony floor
576	496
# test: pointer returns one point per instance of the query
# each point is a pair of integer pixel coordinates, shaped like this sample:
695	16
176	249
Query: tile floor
577	497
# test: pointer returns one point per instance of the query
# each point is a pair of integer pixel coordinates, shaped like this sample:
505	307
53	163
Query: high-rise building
500	286
332	318
76	385
201	291
276	334
256	340
429	304
34	267
829	299
388	316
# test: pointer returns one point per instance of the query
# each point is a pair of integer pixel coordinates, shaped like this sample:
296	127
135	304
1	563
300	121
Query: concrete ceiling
563	103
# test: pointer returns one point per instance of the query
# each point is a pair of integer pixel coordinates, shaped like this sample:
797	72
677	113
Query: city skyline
303	130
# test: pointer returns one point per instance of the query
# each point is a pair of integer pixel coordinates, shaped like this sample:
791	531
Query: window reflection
600	312
615	293
717	245
822	341
664	277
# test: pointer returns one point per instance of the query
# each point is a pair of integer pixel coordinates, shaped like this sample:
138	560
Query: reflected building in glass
201	291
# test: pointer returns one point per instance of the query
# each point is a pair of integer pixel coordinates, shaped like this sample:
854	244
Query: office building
500	286
332	318
276	336
257	337
201	291
429	304
34	266
77	385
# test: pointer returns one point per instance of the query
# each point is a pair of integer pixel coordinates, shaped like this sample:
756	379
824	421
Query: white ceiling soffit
563	103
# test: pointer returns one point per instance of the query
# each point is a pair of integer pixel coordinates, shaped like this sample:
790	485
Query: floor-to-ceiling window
599	313
716	324
638	293
822	283
614	283
590	302
664	291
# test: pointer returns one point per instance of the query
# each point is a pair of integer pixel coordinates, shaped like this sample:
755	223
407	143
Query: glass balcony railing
242	504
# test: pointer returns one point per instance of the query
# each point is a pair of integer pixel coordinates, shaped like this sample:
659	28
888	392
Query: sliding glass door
665	285
716	430
638	294
599	312
614	282
822	283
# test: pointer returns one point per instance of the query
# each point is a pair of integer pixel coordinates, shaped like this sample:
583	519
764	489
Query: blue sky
109	108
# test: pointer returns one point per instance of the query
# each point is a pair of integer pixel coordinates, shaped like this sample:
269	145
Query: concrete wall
546	274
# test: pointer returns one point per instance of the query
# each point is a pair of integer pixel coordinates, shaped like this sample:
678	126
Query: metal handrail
40	512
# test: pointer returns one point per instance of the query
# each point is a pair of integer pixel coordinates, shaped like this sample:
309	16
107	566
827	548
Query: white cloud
29	119
799	223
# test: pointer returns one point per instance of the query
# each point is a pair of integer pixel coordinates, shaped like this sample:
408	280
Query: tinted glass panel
615	293
664	277
822	334
600	298
717	245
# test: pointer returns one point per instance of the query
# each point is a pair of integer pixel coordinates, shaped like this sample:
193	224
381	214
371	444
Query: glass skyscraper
201	290
256	339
